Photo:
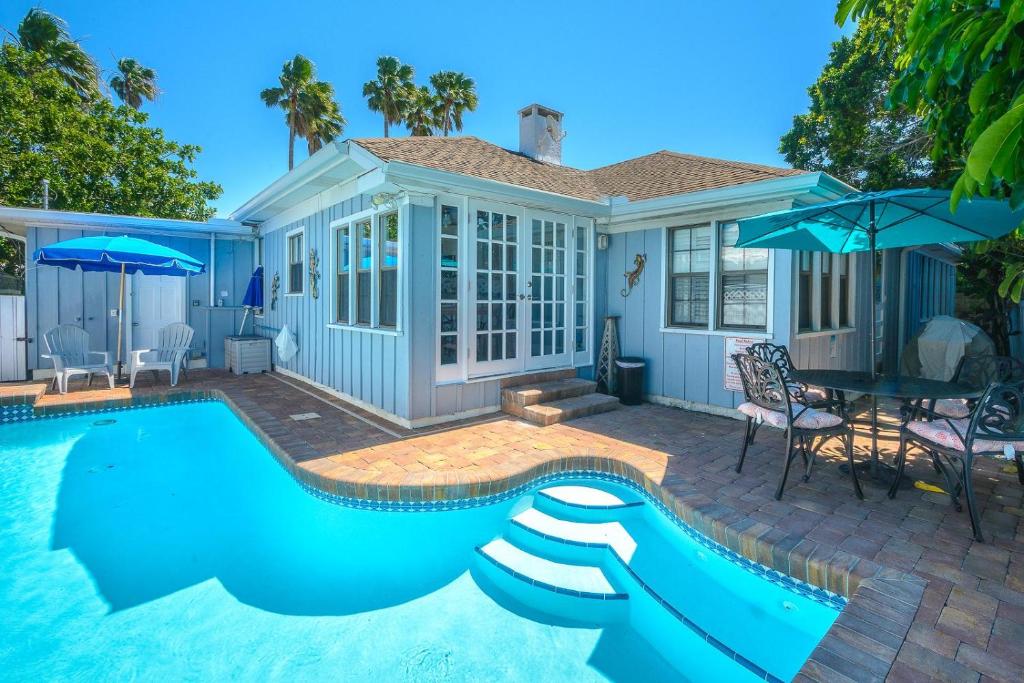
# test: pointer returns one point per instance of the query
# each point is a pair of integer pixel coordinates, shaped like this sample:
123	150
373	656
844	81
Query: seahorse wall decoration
274	287
633	276
314	274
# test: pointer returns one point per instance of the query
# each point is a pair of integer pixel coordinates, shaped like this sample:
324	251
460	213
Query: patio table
887	386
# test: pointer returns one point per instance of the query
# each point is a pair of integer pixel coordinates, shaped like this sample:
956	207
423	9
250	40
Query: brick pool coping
862	644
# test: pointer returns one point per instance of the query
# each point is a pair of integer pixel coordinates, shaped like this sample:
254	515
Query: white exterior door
12	338
520	286
496	289
548	243
157	301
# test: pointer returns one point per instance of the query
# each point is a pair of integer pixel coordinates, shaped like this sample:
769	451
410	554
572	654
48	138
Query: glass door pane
495	340
550	243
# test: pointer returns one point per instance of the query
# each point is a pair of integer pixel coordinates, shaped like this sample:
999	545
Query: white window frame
818	328
582	359
372	215
713	329
301	230
453	372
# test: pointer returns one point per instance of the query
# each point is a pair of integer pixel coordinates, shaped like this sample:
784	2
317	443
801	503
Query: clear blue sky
711	78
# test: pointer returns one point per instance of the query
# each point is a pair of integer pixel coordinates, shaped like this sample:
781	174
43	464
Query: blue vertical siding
368	366
931	291
681	365
56	296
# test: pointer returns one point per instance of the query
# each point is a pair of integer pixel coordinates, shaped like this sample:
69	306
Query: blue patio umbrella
868	221
253	295
125	255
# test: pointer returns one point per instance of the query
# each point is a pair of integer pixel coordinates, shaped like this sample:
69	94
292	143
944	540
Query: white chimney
540	133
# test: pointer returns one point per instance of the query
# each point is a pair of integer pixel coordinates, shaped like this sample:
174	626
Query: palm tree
419	116
47	34
391	92
296	76
456	93
134	83
319	118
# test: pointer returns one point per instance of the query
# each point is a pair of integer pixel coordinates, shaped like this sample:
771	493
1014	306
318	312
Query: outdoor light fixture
383	200
602	240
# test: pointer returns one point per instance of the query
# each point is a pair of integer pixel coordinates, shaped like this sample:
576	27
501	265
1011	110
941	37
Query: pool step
580	593
572	541
586	503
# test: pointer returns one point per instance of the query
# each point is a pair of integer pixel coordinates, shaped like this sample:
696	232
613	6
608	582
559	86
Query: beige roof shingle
653	175
667	173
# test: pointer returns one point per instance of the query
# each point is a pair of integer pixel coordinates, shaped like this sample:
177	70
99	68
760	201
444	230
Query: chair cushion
952	407
807	418
940	432
816	394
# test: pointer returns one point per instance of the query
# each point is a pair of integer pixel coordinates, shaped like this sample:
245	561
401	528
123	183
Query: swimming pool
170	544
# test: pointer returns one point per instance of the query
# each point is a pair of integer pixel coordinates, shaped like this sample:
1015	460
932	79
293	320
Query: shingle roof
667	173
476	157
653	175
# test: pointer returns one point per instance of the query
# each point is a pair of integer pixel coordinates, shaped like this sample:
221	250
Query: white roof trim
79	220
335	163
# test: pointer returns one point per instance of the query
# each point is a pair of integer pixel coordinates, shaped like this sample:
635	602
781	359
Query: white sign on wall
732	374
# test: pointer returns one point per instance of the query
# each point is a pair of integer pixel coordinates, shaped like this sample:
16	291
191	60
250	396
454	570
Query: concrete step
570	541
578	592
582	503
569	408
537	377
514	399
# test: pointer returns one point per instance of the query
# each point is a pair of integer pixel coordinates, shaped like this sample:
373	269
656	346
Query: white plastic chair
68	347
170	354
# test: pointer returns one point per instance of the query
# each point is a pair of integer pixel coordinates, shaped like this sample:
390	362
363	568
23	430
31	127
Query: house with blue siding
420	275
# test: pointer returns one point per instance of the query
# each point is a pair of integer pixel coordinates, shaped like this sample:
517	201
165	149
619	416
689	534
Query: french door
518	289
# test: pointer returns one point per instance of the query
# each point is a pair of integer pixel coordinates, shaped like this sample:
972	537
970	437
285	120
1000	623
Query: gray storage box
243	355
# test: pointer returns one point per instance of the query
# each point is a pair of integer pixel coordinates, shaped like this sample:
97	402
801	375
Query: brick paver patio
927	601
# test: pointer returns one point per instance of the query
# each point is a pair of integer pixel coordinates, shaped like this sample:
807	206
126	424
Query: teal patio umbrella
124	255
868	221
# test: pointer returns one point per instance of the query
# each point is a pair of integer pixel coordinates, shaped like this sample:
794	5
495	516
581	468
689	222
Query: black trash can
631	379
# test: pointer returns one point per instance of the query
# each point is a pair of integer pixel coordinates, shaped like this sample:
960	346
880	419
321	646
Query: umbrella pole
244	317
872	230
120	322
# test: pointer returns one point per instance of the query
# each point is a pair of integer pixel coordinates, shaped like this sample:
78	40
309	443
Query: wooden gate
12	338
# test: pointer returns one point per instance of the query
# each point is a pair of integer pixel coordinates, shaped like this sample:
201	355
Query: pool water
170	544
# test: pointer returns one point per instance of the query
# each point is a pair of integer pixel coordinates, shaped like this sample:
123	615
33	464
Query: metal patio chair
779	355
769	401
977	371
68	347
172	349
993	429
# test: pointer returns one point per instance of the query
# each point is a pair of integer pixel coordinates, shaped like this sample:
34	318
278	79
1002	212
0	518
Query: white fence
12	338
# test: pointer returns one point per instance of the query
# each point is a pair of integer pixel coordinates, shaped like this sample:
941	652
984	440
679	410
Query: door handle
24	339
135	324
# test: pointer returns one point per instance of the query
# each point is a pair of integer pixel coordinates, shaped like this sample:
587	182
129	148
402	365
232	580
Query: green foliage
310	110
849	131
97	157
134	83
455	95
392	92
47	35
318	118
420	116
960	66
